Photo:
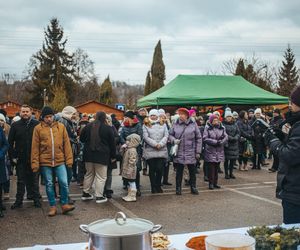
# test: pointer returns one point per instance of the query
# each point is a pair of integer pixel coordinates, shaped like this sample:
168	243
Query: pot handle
84	228
120	218
155	229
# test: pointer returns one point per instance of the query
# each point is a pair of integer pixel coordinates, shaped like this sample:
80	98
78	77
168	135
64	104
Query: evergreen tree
157	69
240	68
106	92
288	73
147	89
53	66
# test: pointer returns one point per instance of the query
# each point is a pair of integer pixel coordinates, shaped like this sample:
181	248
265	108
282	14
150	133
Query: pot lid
120	226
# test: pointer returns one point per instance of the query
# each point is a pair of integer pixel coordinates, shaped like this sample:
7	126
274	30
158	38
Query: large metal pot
120	233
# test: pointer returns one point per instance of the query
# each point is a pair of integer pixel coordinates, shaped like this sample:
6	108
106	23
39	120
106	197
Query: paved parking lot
248	200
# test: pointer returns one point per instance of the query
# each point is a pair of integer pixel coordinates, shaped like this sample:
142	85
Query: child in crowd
129	167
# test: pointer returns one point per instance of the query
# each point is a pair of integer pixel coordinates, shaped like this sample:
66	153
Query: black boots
37	204
16	205
178	190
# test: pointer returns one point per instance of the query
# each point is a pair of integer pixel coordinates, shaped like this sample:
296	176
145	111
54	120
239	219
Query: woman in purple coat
186	134
214	138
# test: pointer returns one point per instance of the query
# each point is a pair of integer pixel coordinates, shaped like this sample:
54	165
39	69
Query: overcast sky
119	36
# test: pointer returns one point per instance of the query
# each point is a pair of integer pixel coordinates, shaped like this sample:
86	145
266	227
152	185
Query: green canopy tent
210	90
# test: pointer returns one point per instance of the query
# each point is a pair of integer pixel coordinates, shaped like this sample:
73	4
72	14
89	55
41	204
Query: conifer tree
288	73
53	66
147	88
157	69
106	92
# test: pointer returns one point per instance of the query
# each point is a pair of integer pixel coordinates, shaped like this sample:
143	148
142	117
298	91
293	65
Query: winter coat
156	134
130	157
288	177
4	175
50	146
258	142
231	148
214	139
107	147
127	130
20	140
246	133
191	141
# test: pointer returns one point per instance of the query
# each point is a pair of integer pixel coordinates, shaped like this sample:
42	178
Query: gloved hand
124	146
176	141
198	156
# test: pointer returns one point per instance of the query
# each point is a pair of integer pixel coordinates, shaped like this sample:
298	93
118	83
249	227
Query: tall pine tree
147	89
288	73
106	93
53	67
240	68
157	69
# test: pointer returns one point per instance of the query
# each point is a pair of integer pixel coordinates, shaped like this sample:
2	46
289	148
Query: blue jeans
62	177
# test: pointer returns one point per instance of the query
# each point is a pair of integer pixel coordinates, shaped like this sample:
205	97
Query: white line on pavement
254	196
122	208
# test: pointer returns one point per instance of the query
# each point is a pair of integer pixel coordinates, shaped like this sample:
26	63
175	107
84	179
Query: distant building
92	107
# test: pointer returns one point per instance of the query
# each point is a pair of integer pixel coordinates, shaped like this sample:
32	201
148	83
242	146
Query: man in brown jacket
51	151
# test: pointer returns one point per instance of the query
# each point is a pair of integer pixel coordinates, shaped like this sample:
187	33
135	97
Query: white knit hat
68	112
161	112
258	111
235	114
2	117
228	113
154	112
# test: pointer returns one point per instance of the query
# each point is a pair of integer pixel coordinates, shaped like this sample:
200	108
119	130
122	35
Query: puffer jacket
231	148
50	146
288	177
258	142
191	141
214	139
246	133
126	130
130	157
153	135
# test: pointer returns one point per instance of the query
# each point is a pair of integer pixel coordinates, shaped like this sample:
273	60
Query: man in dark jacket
20	140
288	178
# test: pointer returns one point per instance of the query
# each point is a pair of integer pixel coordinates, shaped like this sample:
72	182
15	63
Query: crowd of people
71	147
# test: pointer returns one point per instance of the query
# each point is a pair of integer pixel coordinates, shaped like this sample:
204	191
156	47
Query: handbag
248	153
175	147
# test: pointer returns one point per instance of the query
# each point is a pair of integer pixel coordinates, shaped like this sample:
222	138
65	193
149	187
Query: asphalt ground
248	200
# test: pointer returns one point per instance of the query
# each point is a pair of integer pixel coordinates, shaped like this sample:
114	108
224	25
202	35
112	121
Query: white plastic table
177	240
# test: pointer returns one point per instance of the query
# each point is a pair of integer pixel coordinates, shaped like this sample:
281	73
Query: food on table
277	238
197	243
160	241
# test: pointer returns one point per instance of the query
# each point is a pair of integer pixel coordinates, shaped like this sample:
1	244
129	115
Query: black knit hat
295	96
46	111
130	114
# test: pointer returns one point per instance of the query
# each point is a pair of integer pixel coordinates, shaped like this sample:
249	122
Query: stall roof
210	90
